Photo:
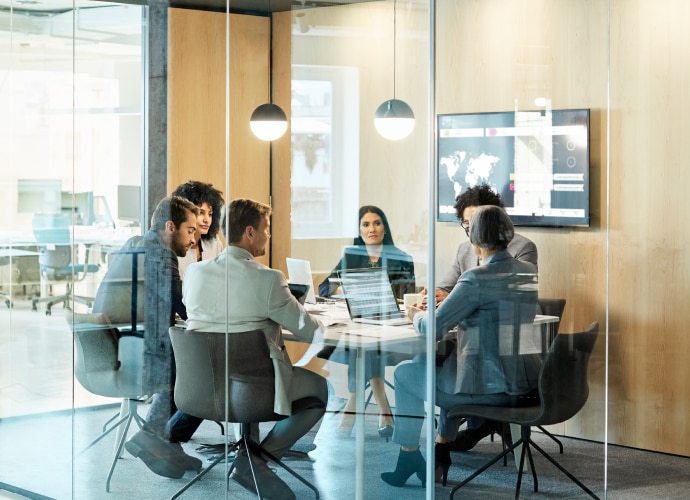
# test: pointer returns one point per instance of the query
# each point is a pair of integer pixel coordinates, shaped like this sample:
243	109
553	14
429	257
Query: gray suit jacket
465	259
235	293
490	305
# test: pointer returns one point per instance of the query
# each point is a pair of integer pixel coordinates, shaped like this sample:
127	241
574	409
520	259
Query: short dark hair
202	192
241	213
172	208
372	209
476	196
491	228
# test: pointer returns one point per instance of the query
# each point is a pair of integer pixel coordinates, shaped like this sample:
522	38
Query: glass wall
494	86
71	137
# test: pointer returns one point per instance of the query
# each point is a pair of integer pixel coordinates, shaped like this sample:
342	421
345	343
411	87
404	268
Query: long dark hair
371	209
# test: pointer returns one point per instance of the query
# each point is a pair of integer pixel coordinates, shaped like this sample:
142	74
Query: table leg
516	433
359	425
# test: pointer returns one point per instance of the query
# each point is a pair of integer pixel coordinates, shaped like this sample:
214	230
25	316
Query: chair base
247	444
554	438
125	420
528	443
65	299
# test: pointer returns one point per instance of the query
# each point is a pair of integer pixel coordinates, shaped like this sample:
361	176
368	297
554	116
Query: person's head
373	227
491	228
467	202
175	221
248	225
210	202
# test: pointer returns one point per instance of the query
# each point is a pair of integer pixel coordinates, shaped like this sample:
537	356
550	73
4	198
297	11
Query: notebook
370	299
299	272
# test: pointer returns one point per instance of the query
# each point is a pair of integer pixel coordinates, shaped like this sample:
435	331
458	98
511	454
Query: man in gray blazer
235	293
465	259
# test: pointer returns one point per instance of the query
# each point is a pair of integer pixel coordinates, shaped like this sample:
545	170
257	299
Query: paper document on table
309	355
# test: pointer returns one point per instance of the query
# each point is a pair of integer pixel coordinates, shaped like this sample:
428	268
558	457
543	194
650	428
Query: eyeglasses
465	224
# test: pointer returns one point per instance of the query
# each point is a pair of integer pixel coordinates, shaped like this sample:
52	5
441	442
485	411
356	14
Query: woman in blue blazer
489	304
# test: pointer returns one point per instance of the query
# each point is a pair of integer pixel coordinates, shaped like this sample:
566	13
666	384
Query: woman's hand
440	295
412	310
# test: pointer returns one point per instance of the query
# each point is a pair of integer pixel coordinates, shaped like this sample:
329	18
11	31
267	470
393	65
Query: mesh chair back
563	382
201	364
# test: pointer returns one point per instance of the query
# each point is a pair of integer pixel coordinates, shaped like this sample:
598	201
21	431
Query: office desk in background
97	241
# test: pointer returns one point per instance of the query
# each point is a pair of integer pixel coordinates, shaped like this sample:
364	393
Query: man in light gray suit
465	259
235	293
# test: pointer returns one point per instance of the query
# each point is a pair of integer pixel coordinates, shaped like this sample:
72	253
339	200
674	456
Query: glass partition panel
587	210
359	217
510	81
71	133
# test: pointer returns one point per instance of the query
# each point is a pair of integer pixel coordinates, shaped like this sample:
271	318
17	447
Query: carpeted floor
31	462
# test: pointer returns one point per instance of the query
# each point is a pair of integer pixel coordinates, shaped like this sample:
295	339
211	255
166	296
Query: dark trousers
182	426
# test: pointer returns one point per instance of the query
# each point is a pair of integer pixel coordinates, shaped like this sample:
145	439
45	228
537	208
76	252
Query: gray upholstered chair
109	365
201	383
563	391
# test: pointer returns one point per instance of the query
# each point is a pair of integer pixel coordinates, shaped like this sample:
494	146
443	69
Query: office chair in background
56	260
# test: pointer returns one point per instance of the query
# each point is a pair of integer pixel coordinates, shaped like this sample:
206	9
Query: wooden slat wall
197	128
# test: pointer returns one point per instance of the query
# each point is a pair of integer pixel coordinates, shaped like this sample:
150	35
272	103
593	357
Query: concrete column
156	173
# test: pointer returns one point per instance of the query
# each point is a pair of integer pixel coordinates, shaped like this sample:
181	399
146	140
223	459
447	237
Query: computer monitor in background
129	204
39	196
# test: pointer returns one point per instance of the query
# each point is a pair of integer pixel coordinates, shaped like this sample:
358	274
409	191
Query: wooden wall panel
650	262
197	124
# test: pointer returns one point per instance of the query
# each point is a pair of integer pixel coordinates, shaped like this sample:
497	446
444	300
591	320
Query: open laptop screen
368	293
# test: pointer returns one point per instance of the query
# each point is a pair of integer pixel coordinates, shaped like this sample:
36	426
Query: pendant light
394	118
268	121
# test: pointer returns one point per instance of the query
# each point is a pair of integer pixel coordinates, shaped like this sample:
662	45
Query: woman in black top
373	248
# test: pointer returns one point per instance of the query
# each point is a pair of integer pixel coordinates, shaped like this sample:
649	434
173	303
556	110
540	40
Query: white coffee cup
413	299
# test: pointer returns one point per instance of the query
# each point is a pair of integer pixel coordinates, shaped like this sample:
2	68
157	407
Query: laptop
299	291
370	299
299	272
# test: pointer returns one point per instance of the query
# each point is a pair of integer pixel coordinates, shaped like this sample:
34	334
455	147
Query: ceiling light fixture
394	118
268	121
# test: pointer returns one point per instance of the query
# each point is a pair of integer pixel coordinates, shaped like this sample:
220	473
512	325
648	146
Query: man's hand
440	295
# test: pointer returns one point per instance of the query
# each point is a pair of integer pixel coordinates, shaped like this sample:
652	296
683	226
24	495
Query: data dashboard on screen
537	161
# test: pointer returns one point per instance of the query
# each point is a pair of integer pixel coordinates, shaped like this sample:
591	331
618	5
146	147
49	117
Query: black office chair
563	391
551	307
56	260
200	388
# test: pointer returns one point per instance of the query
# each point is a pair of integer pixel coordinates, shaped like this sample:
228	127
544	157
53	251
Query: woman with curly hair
209	200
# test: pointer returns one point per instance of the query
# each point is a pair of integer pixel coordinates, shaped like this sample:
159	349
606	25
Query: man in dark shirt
171	234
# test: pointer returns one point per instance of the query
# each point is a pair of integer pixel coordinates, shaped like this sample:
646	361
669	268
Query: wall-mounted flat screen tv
538	161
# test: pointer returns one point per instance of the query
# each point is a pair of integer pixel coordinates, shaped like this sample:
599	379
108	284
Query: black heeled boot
443	462
409	462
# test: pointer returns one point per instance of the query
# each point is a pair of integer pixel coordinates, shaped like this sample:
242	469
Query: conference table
341	331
